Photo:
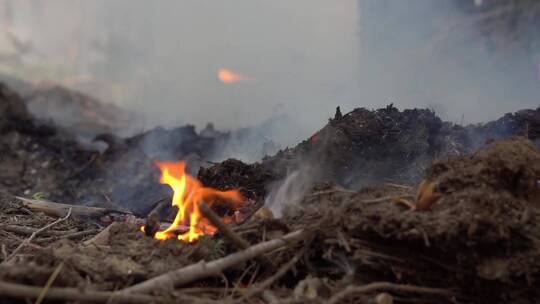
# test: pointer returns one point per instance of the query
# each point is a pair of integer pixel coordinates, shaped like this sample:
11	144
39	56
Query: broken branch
71	294
56	209
237	240
102	238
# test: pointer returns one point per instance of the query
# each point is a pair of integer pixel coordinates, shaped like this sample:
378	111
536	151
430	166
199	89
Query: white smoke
290	190
303	58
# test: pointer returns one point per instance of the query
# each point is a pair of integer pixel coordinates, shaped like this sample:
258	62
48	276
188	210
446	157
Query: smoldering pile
367	147
82	160
345	240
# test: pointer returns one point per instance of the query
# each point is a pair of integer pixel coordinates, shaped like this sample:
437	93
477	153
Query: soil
479	240
129	257
365	147
482	232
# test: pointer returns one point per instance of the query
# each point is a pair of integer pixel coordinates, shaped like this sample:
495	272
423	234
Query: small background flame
227	76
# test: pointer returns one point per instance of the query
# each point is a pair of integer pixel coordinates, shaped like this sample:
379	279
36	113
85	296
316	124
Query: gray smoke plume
450	56
299	59
290	190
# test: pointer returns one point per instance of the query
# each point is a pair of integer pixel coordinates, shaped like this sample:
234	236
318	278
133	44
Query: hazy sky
301	57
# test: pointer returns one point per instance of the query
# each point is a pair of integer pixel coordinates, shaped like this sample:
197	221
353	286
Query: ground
476	242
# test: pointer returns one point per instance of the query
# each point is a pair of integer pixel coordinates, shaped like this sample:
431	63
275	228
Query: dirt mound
234	174
487	197
129	257
481	234
35	157
15	116
38	158
360	148
525	123
80	114
367	147
477	244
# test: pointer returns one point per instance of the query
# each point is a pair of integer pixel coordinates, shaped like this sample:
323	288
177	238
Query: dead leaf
427	195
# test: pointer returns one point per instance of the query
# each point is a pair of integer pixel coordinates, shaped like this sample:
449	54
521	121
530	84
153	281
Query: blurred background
284	65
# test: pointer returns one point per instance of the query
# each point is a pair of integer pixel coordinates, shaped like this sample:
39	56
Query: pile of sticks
162	287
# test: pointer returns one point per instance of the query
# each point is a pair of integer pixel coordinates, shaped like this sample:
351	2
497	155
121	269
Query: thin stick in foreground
60	210
386	286
214	268
28	240
20	291
69	235
29	230
259	288
237	240
49	283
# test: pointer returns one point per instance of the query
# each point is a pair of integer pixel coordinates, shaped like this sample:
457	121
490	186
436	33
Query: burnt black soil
365	147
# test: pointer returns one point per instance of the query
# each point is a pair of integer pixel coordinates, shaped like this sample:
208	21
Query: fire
188	192
227	76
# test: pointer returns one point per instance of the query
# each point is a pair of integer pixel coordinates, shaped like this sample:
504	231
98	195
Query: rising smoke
299	59
162	59
290	190
444	55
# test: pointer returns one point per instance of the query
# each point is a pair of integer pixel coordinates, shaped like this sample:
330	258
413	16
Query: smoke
290	190
441	55
161	59
298	60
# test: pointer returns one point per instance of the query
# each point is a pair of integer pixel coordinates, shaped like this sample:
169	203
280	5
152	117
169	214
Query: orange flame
227	76
188	193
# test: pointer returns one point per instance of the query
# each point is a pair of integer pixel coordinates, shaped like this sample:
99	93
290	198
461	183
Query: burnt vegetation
349	237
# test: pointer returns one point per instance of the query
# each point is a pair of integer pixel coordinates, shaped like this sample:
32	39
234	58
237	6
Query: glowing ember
228	76
188	193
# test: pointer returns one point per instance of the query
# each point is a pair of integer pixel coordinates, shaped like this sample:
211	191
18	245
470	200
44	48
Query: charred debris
344	236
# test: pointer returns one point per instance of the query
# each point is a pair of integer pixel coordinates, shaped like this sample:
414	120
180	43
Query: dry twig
28	240
102	238
237	240
71	294
259	288
49	283
404	187
384	199
378	286
214	268
69	235
56	209
29	230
